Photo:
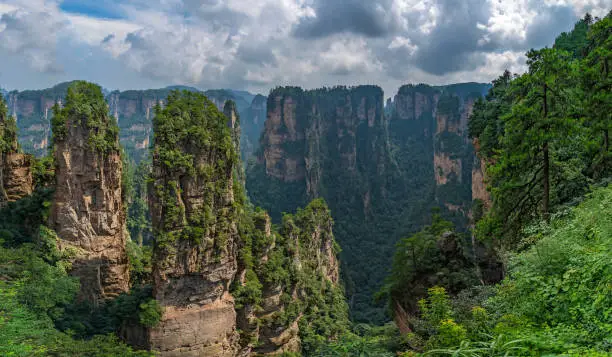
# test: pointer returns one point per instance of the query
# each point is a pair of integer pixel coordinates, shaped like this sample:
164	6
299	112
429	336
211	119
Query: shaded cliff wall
87	211
380	174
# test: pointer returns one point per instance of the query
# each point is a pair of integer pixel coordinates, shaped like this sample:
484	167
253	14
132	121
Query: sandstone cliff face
454	155
295	145
87	210
15	167
479	187
15	176
194	222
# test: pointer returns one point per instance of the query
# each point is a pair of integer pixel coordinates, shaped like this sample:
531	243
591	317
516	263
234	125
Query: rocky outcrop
15	167
479	187
87	209
274	324
194	220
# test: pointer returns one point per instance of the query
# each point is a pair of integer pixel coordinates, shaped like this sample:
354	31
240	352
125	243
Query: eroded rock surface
88	212
194	222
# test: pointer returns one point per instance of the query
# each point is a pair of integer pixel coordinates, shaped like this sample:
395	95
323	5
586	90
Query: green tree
596	84
433	256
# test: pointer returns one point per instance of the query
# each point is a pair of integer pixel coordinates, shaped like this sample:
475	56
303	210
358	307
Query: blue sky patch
94	8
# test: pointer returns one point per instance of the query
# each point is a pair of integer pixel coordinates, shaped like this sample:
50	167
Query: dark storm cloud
258	54
371	18
214	12
451	44
108	38
548	25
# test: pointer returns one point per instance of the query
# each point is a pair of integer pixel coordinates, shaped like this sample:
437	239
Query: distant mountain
247	96
133	110
181	87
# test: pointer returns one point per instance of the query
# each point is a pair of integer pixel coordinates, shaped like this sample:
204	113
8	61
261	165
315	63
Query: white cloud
33	33
93	31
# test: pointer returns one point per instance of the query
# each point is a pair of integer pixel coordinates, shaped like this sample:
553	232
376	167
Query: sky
257	45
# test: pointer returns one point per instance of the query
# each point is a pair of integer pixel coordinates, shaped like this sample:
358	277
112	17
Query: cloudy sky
259	44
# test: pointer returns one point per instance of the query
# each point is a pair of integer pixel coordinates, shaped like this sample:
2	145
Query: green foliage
434	256
8	130
150	313
43	172
26	332
544	134
85	107
575	42
20	221
138	214
140	259
555	300
187	129
34	291
364	340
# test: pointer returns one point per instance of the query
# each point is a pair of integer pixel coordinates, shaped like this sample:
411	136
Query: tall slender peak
88	210
233	122
194	219
15	167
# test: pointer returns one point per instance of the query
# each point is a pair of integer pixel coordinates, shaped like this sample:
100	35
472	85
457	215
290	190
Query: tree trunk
546	183
546	169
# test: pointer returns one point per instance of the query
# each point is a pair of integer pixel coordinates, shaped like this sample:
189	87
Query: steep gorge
381	174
